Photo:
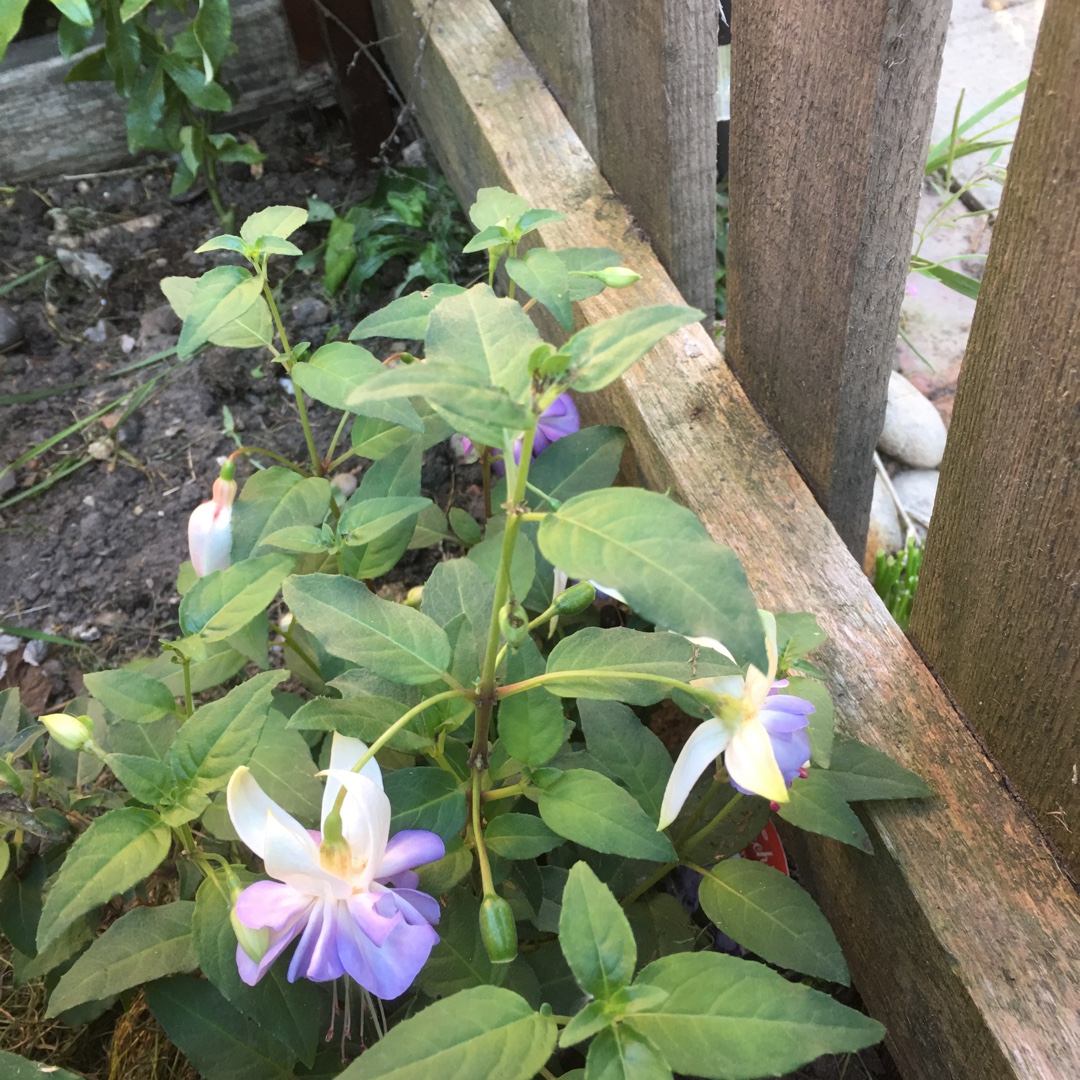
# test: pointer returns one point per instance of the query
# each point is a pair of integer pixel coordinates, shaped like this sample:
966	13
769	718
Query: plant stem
189	703
504	792
485	473
289	363
704	831
478	835
648	883
328	459
486	691
270	454
592	673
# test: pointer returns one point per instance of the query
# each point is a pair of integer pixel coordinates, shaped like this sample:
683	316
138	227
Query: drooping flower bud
577	598
209	532
255	943
615	277
498	929
514	624
71	732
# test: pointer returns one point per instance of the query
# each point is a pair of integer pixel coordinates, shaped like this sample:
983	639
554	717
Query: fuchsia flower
761	734
557	421
209	532
353	903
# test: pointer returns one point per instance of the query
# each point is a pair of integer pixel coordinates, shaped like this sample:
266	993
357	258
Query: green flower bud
514	623
72	732
577	598
498	929
615	277
253	942
414	597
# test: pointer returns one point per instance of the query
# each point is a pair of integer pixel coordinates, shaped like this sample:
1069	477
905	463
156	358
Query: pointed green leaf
407	317
488	554
818	807
225	601
363	717
594	935
78	11
151	781
305	501
485	1031
621	1053
283	766
495	205
12	1066
543	275
116	852
582	259
425	798
351	622
729	1019
660	557
822	719
594	811
459	960
336	374
859	772
370	519
220	296
586	460
280	221
601	353
617	737
130	695
145	944
769	914
520	836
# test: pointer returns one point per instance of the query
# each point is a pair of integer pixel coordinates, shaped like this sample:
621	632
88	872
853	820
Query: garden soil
93	555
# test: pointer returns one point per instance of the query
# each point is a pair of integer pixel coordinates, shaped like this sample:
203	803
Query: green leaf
131	695
797	633
145	944
495	205
227	600
465	526
822	719
531	725
363	717
220	297
594	811
394	641
859	772
425	798
20	905
601	353
543	275
12	1066
459	586
622	1053
216	1039
406	317
729	1019
586	460
593	1018
371	519
520	836
816	806
191	82
622	653
303	501
488	554
211	28
584	259
769	914
116	852
299	540
489	335
290	1012
336	374
462	396
459	960
225	242
964	284
78	11
283	766
11	16
5	857
618	739
482	1032
660	557
281	221
594	935
219	737
130	8
150	780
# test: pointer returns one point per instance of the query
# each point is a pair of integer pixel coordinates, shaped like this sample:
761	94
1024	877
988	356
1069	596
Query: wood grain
85	121
831	106
962	933
998	607
654	78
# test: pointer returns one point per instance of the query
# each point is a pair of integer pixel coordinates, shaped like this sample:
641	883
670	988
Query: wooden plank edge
962	932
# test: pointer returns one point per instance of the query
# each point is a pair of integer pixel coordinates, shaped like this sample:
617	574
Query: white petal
345	752
768	620
209	537
756	691
711	643
292	856
751	763
249	806
365	823
702	748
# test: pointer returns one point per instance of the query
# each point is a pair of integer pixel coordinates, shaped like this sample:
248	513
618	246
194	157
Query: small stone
100	449
96	333
913	432
127	343
916	491
88	501
885	533
34	652
87	266
309	311
85	632
11	333
345	483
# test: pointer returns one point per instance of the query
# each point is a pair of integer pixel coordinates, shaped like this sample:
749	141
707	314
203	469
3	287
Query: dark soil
94	556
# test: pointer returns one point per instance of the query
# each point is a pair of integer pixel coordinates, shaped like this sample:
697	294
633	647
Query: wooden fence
963	930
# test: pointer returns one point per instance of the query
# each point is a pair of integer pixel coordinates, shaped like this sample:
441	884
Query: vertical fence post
998	607
831	105
654	72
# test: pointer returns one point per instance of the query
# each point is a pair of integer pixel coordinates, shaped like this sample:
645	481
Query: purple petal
376	925
416	906
386	971
280	937
779	721
316	955
271	905
558	420
409	848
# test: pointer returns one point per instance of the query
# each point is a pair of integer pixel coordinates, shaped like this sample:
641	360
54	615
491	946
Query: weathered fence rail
962	931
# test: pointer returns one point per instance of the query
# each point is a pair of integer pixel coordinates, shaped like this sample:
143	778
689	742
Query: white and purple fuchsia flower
347	892
761	733
557	421
210	526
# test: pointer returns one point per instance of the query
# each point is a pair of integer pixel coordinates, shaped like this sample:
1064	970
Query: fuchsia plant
474	758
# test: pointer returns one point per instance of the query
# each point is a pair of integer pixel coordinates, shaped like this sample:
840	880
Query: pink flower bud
209	535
